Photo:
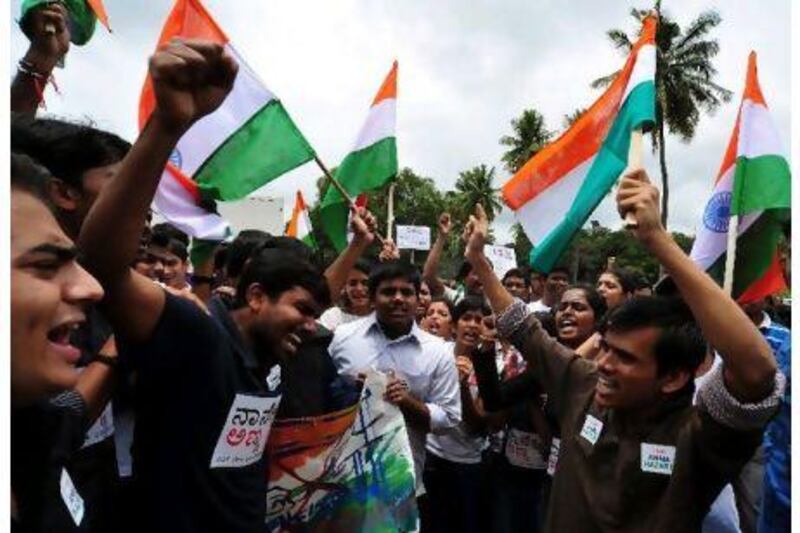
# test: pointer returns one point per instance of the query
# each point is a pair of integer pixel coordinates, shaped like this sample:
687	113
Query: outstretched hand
389	251
46	28
191	78
363	225
638	196
475	233
445	225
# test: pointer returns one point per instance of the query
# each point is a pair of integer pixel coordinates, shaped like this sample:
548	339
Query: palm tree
684	79
573	117
476	186
529	136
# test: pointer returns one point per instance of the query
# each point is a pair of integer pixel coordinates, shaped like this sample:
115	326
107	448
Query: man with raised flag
575	172
636	455
741	227
370	164
208	384
248	142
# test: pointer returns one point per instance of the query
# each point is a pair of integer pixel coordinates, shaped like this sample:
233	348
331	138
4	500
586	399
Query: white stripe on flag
757	132
379	125
540	215
179	208
643	70
247	96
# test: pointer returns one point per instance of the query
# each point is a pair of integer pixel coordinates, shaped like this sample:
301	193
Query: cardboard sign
503	258
245	433
413	237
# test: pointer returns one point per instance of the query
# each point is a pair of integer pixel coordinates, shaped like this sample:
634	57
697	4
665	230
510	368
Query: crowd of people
531	403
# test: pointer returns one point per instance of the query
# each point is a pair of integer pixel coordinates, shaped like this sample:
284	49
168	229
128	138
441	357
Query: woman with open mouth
439	318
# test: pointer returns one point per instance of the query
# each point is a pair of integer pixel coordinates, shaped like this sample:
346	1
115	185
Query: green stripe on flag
266	146
367	169
611	160
761	183
755	249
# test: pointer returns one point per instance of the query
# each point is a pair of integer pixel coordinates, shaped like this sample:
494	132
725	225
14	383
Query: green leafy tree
684	79
529	136
475	186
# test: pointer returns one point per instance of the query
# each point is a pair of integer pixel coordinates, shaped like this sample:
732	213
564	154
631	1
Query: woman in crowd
616	285
439	318
520	460
454	474
354	302
423	301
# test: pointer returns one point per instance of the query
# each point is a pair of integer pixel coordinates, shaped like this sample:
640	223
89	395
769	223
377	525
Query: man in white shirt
555	284
423	377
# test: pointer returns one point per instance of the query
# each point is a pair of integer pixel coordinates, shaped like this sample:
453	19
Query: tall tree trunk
664	180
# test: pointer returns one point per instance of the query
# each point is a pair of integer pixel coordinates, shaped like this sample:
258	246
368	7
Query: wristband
108	360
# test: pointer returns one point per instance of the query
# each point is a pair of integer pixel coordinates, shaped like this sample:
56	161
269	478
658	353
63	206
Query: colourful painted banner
351	470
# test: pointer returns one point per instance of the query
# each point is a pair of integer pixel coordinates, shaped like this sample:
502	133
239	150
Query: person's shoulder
352	329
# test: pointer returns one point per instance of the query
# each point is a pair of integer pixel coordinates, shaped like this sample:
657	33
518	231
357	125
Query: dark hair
173	246
291	245
390	270
66	149
27	175
593	298
680	346
442	300
517	273
363	266
548	321
558	269
165	228
278	271
625	277
470	303
466	268
241	248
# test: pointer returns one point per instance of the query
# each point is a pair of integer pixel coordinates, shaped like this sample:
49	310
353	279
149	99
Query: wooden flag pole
350	203
730	254
634	163
390	214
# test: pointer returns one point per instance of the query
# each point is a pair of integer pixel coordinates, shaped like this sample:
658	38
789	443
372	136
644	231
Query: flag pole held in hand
350	203
634	163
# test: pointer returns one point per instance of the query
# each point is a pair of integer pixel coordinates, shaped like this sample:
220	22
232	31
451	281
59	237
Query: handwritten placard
245	433
414	237
503	258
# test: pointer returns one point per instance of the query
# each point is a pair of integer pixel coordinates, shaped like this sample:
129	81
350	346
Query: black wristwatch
108	360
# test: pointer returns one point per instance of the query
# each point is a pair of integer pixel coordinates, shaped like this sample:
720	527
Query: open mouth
471	337
61	340
606	385
567	323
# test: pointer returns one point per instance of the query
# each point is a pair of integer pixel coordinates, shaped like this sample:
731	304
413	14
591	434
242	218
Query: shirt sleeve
556	369
714	398
444	399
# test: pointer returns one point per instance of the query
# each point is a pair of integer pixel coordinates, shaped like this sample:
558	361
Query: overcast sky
466	69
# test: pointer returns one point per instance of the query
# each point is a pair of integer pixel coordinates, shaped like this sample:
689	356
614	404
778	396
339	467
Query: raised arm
363	226
430	272
46	28
749	365
190	80
475	233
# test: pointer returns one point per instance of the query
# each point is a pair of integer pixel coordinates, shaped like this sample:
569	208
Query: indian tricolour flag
299	225
247	142
369	165
555	192
753	183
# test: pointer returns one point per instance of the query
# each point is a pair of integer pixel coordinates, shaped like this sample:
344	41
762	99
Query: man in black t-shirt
207	385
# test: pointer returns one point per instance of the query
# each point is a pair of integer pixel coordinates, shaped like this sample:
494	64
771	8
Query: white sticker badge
245	433
592	428
658	458
71	498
